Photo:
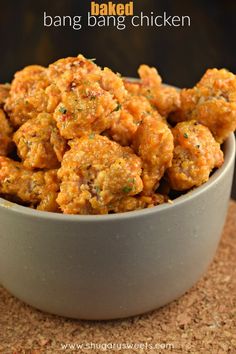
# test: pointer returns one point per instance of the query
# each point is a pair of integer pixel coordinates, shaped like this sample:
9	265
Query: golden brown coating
165	98
75	84
68	73
123	156
114	84
49	191
88	96
27	95
38	189
84	110
39	143
4	93
196	154
132	86
149	76
153	143
137	203
127	117
212	102
95	173
5	135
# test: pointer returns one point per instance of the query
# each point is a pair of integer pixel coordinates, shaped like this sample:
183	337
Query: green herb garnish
91	136
131	180
117	108
198	146
149	95
98	190
127	189
186	135
62	110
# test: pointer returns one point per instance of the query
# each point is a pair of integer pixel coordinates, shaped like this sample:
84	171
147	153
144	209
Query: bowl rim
229	155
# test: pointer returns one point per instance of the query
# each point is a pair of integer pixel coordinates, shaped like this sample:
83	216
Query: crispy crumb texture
79	139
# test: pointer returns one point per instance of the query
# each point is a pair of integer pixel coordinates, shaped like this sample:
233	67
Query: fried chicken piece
165	98
149	76
4	93
84	110
95	173
153	143
212	102
68	73
39	189
76	85
196	154
39	143
127	117
6	144
28	95
88	96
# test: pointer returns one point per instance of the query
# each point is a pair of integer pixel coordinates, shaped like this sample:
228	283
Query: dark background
180	54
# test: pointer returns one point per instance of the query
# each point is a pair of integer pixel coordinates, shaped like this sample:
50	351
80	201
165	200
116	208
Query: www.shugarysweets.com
117	15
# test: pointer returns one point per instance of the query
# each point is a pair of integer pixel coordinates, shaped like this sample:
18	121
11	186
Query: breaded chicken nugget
27	95
165	98
4	93
39	189
88	96
84	110
212	102
153	143
5	135
39	143
95	173
68	73
196	153
127	117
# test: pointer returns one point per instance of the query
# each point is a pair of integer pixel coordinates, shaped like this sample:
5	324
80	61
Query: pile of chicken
78	139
